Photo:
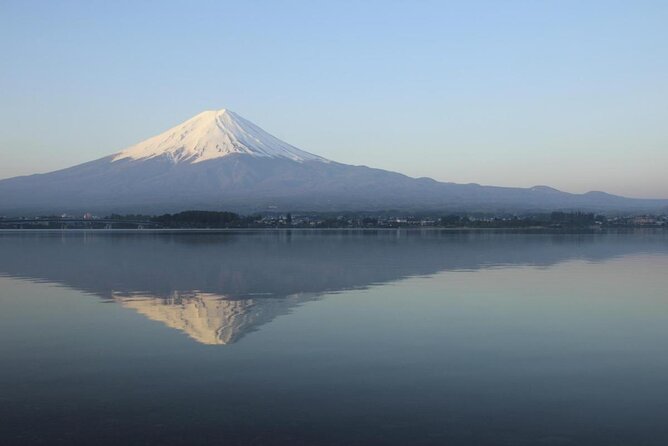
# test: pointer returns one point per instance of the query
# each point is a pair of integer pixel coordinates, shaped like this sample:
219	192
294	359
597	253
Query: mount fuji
219	160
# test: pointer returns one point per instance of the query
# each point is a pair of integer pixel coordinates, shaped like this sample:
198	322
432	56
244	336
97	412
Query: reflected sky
333	338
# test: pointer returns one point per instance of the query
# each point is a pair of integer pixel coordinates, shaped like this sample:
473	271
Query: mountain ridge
219	160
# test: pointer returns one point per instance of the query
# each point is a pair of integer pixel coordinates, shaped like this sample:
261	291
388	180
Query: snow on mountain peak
214	134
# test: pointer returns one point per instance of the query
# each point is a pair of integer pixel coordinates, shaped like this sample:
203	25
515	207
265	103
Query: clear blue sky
573	94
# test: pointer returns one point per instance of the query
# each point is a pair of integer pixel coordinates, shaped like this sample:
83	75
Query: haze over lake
333	337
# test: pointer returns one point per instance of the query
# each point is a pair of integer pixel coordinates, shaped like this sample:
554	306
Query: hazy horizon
565	94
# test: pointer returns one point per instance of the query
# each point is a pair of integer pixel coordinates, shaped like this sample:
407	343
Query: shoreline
401	229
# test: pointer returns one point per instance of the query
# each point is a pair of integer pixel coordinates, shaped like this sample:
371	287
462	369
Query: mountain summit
214	134
219	160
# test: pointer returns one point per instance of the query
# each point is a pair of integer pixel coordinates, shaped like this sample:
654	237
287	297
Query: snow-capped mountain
219	160
211	135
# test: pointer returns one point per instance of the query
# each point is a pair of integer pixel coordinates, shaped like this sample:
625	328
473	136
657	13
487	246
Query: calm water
333	338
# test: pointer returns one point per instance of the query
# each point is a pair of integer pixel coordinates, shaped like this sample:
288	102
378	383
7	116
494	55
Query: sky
571	94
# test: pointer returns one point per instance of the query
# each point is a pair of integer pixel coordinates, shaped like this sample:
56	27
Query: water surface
333	338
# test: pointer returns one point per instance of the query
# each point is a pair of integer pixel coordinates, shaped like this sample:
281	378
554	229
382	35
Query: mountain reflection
217	287
210	318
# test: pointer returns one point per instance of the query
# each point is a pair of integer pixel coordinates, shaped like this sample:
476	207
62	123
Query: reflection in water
216	287
497	339
210	318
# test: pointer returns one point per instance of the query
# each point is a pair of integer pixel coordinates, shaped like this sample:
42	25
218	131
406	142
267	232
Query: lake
333	338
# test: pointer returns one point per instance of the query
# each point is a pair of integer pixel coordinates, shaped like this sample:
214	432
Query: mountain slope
211	135
219	160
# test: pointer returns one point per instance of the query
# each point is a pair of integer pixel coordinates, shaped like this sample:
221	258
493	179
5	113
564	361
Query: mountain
212	135
219	160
